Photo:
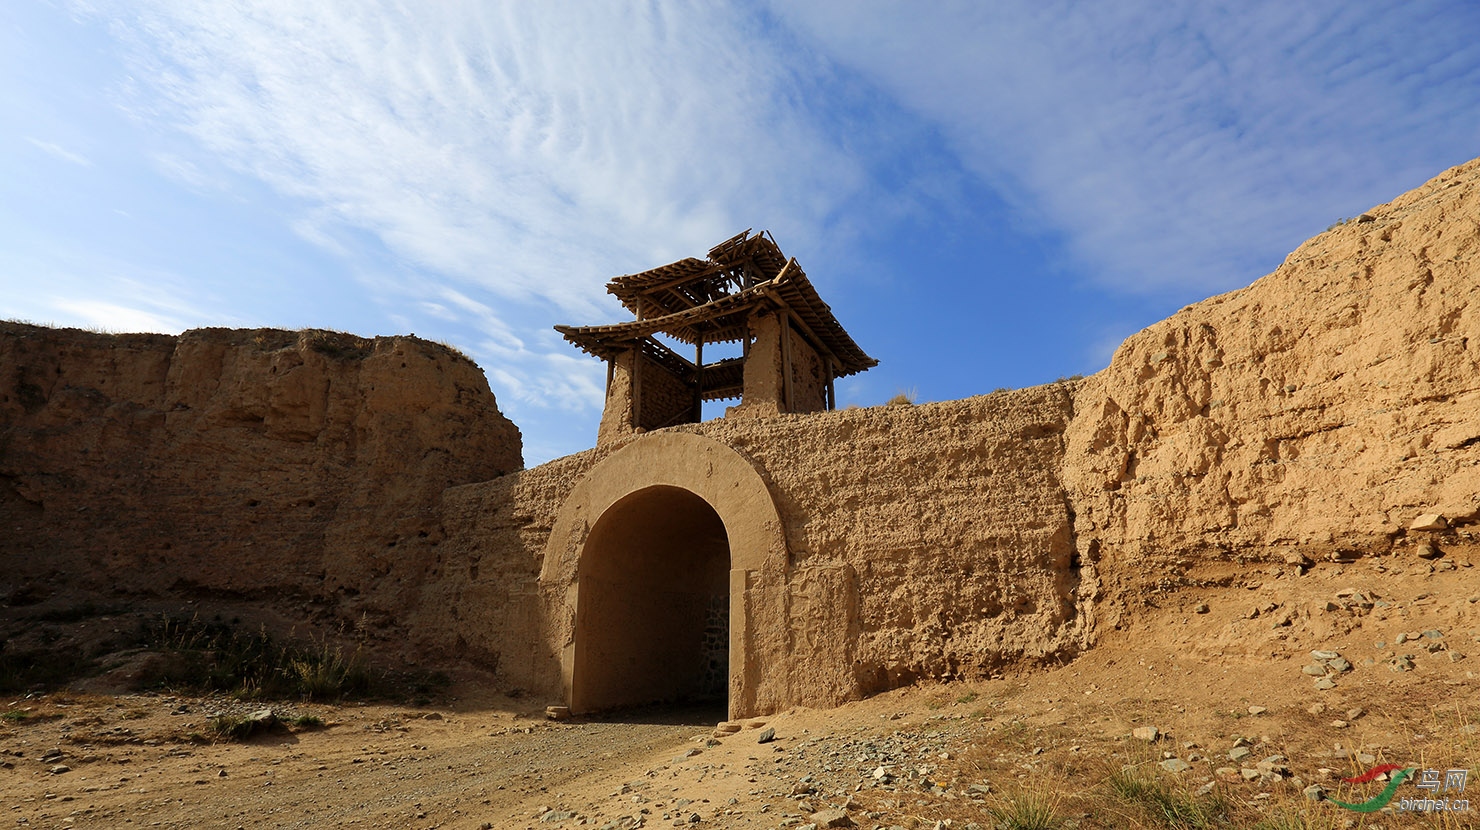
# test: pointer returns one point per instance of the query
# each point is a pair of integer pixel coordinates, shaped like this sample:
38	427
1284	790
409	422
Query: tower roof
710	301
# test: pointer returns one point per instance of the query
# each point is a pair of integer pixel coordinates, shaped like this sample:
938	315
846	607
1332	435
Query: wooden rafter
710	301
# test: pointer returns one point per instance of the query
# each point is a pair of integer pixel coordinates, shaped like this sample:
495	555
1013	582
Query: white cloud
526	149
481	168
1176	145
185	172
74	286
59	152
115	317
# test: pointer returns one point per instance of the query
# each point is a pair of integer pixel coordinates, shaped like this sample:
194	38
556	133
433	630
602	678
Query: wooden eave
719	321
710	301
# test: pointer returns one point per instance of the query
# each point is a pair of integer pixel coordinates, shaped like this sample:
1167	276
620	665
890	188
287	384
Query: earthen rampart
265	465
920	541
1315	414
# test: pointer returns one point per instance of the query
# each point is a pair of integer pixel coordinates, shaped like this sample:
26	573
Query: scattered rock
832	818
1146	733
552	712
1324	684
1314	792
1429	521
1258	710
1239	753
1353	714
1297	558
1175	765
1200	608
766	737
1275	763
58	769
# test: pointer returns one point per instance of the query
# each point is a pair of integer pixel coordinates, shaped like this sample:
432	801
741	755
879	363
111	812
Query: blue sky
988	195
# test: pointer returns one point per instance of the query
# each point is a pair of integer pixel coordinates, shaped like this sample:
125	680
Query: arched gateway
646	570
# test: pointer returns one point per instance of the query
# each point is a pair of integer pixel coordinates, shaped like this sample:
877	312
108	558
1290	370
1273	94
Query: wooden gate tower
746	292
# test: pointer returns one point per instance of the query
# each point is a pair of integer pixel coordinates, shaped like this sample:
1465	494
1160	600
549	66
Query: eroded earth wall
283	467
1315	414
922	541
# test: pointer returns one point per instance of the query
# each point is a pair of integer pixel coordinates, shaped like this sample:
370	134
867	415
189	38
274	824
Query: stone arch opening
652	622
674	470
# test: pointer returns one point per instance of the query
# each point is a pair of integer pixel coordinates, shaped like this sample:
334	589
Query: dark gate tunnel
652	609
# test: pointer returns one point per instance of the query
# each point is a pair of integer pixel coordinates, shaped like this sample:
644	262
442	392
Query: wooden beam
699	381
697	275
806	331
832	397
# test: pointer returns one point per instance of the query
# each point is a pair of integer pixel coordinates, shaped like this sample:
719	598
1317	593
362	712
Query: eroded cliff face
286	466
1315	413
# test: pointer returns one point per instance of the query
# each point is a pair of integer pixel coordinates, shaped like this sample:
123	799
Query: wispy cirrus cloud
522	148
59	152
504	158
474	171
1177	146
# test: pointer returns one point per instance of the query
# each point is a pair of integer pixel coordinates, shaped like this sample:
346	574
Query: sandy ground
1212	668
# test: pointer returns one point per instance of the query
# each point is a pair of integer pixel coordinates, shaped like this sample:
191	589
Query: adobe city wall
340	481
1313	415
910	542
275	468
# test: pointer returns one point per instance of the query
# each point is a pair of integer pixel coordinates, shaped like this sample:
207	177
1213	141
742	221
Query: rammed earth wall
373	483
920	541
